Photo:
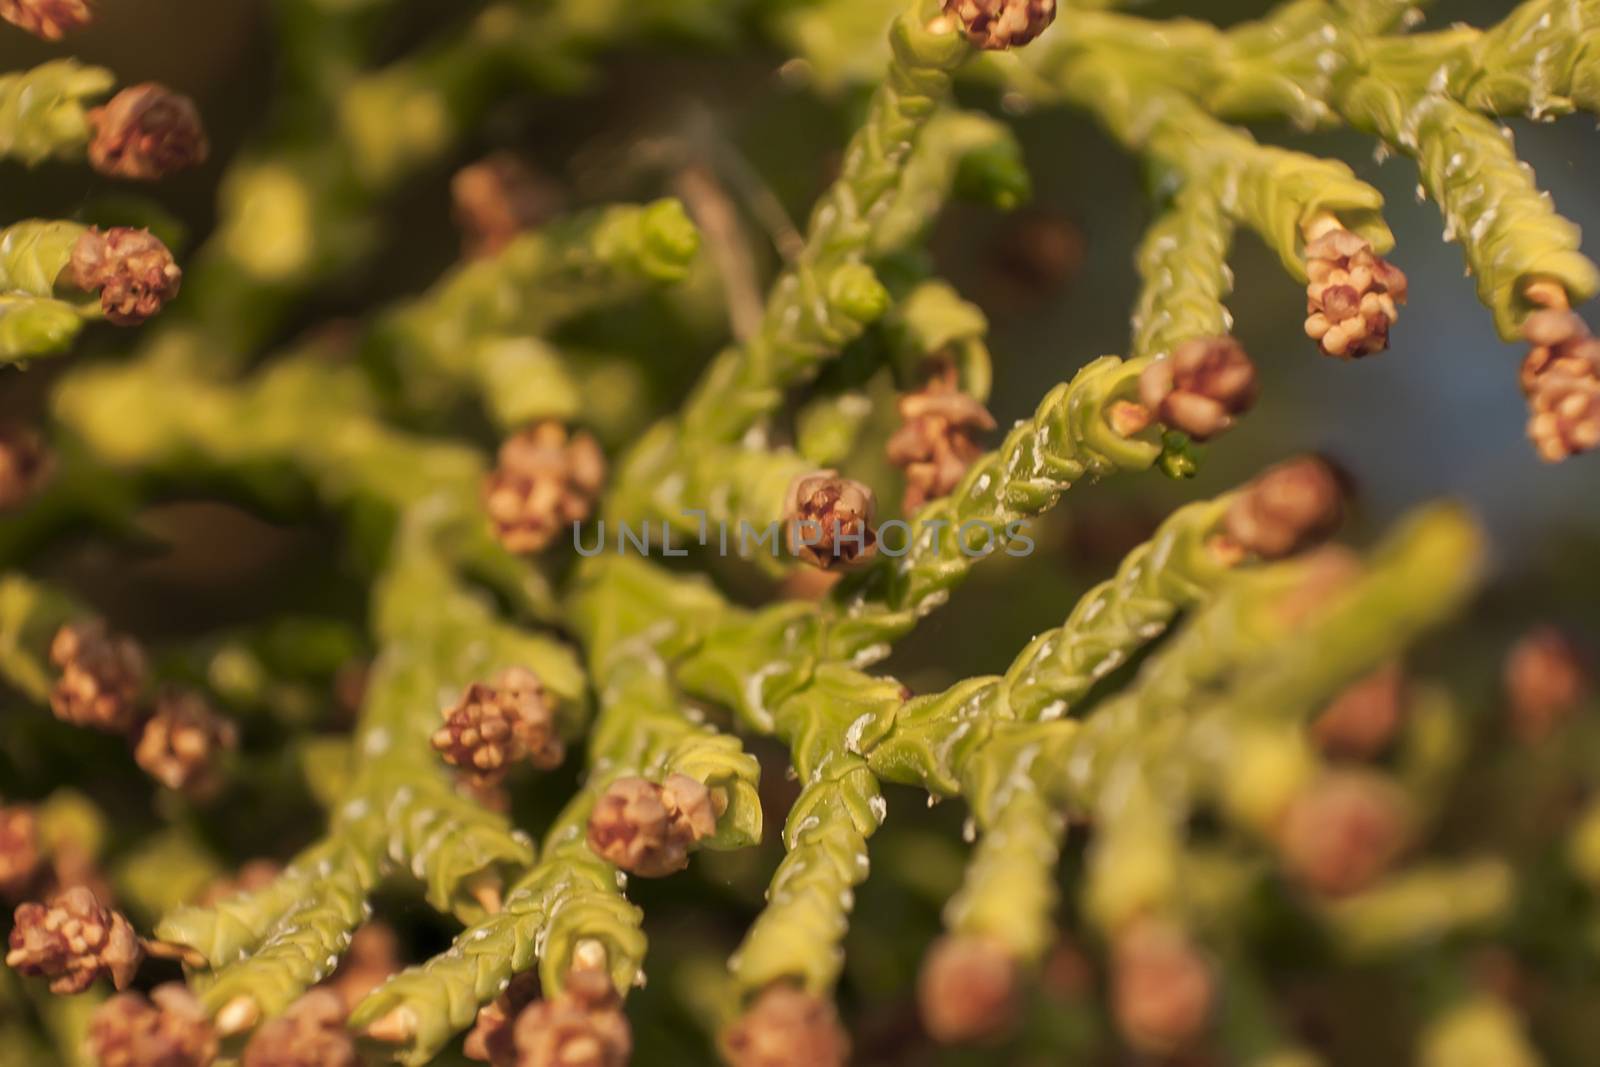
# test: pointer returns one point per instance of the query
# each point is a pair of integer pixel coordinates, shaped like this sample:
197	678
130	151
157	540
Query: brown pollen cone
1352	295
73	939
50	19
787	1027
1362	720
995	25
147	132
938	439
25	464
1545	682
102	675
1163	988
20	858
311	1033
827	520
968	989
1344	831
1200	387
1288	508
491	1038
495	726
546	481
648	829
181	745
581	1027
169	1029
133	272
1561	379
497	198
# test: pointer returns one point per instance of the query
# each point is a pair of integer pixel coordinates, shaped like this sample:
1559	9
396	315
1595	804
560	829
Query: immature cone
648	829
1360	721
827	520
169	1029
101	677
996	25
1290	507
20	859
938	439
183	742
1200	387
1352	296
545	482
24	465
310	1034
372	958
787	1027
1344	831
497	198
1561	379
582	1027
494	726
73	939
968	989
1163	988
50	19
492	1039
147	132
133	272
1545	682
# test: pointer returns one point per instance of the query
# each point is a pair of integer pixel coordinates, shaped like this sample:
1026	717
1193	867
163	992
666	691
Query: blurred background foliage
1437	415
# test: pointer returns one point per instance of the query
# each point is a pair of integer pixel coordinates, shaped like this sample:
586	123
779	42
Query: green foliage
1169	708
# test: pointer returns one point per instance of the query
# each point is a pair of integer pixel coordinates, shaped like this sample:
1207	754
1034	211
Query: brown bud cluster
1163	988
787	1027
938	438
648	829
1290	507
102	676
147	132
582	1027
968	989
546	480
1353	295
182	743
73	939
1344	831
1561	379
1200	387
1545	682
133	272
496	725
311	1033
497	198
996	25
20	857
168	1029
24	465
492	1039
827	520
50	19
1362	720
